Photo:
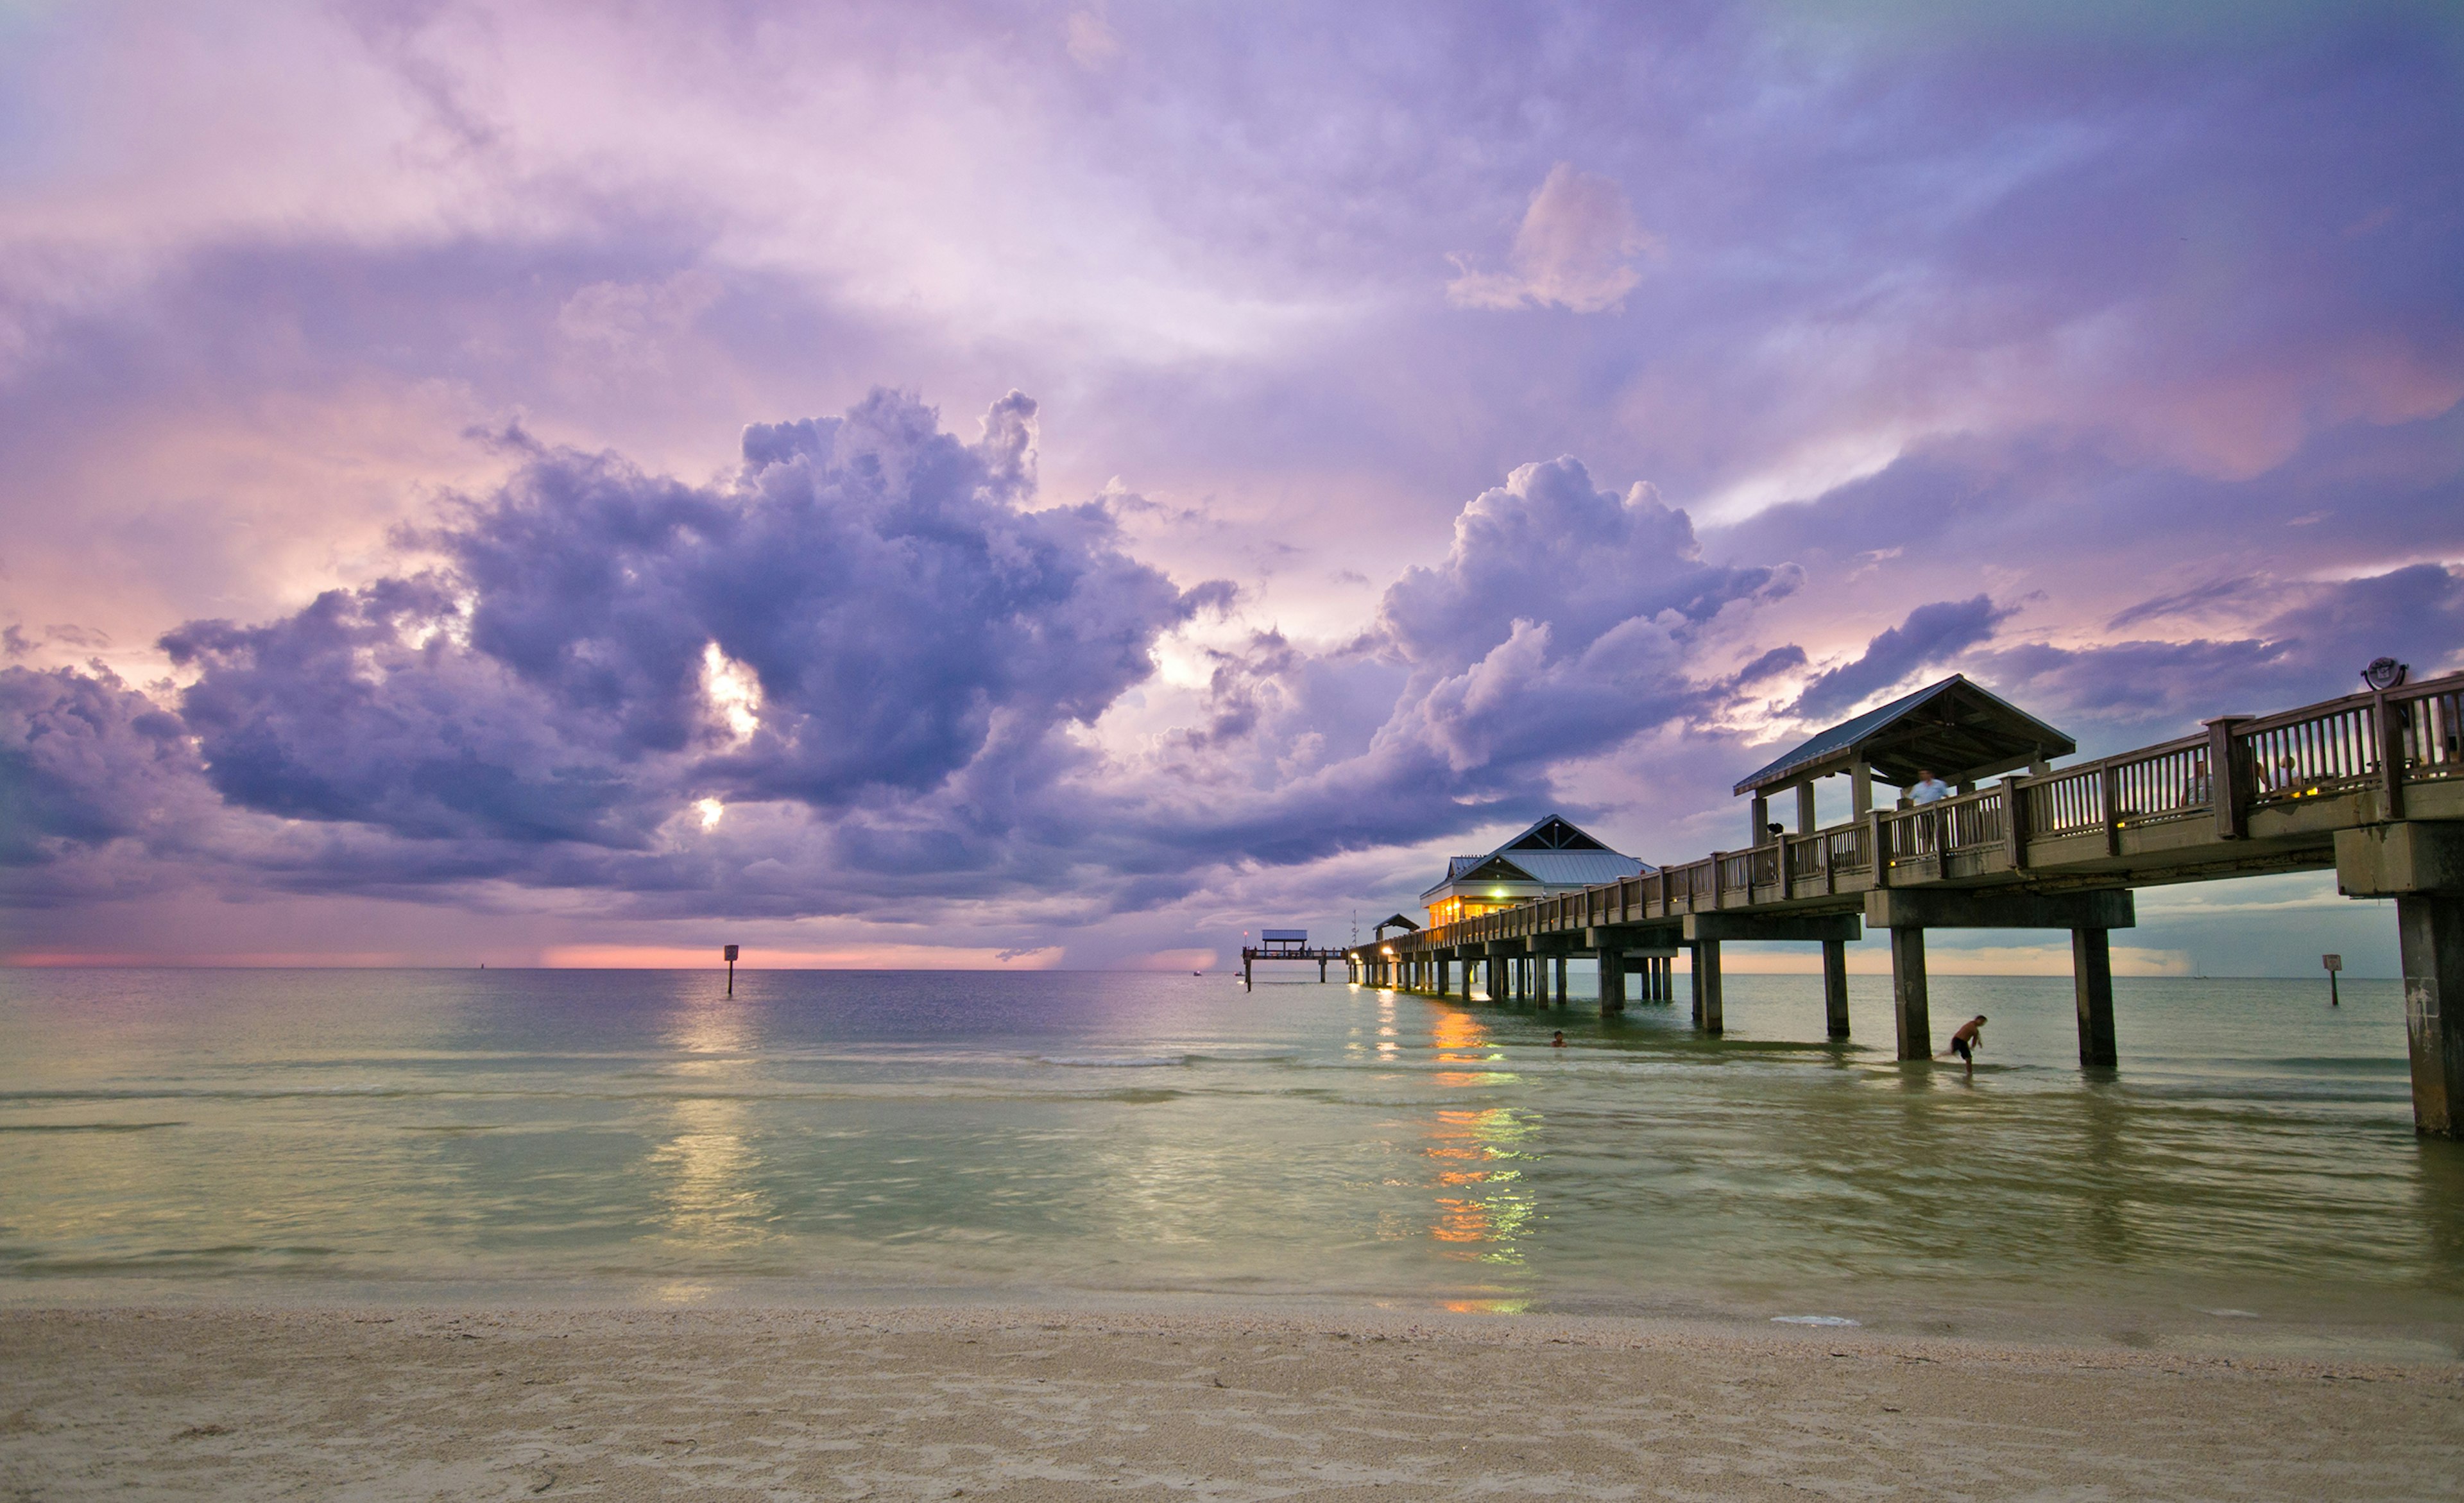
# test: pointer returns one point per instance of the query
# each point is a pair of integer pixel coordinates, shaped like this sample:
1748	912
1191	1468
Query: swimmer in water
1970	1038
1558	1040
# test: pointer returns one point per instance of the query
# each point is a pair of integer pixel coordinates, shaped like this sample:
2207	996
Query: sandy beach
923	1403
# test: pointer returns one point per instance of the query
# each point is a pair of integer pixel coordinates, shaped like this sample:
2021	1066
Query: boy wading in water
1970	1038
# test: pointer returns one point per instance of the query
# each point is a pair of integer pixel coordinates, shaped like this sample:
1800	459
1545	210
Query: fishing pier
1284	944
2370	785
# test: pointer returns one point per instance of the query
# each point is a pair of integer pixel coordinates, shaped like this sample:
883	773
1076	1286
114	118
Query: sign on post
2334	963
731	970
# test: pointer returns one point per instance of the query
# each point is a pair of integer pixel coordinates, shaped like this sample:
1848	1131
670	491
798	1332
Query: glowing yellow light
711	812
734	692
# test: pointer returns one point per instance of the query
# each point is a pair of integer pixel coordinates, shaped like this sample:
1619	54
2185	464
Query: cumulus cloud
1930	635
859	672
85	761
1550	544
2314	648
1566	621
886	616
1574	249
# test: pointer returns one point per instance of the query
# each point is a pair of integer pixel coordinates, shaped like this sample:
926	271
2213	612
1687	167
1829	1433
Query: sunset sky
949	484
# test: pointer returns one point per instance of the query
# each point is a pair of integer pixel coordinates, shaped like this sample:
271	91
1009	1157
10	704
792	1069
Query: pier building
1553	856
2370	786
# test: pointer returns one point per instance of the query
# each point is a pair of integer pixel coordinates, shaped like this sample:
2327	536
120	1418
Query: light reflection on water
1146	1133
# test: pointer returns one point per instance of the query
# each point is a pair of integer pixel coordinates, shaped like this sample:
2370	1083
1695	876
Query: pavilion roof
1954	728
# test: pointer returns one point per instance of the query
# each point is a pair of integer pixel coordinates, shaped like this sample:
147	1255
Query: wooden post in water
2334	963
1835	987
730	953
1611	980
2092	980
1908	993
2430	936
1706	965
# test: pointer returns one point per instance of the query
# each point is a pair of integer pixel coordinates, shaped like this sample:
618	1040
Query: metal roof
1953	728
1551	853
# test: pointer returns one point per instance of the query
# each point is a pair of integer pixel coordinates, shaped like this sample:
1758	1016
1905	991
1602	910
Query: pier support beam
2430	935
2421	866
1834	988
1559	996
1908	993
1706	986
1611	980
2092	981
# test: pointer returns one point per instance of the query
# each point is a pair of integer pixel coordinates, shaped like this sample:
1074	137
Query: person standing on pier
1928	789
1970	1038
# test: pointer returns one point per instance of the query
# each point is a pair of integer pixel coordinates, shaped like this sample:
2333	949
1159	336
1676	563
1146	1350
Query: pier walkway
2371	785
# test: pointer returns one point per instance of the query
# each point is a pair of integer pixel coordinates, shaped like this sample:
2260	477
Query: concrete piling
2092	983
1612	981
1908	993
2421	866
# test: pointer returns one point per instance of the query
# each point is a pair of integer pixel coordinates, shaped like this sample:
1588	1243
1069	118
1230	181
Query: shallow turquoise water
639	1135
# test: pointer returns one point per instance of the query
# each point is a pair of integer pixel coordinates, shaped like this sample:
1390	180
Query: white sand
1024	1403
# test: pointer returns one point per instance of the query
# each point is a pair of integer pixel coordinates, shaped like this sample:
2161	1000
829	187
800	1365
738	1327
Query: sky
1066	484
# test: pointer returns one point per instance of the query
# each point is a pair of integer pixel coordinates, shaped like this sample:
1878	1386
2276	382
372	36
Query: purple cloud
1930	635
892	610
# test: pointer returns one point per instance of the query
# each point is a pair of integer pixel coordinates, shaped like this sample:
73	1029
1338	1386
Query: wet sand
225	1403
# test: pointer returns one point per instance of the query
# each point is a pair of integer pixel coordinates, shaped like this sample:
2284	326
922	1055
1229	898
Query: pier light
2384	673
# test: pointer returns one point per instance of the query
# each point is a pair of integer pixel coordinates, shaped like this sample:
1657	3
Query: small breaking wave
1113	1061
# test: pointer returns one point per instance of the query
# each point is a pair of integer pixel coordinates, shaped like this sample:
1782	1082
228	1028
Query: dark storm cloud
909	641
2313	651
1564	622
874	578
84	760
1930	635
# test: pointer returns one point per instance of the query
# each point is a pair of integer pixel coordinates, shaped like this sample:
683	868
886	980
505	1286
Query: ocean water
2249	1176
